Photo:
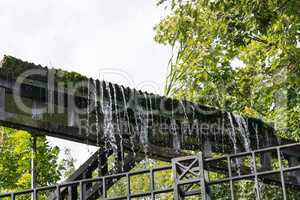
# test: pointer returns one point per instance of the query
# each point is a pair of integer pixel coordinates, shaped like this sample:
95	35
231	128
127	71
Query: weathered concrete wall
51	99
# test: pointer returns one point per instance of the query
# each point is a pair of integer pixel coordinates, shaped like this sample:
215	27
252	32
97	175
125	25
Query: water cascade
256	137
176	138
244	131
88	108
223	130
183	109
118	129
232	133
95	95
142	124
144	119
108	127
127	122
97	112
174	131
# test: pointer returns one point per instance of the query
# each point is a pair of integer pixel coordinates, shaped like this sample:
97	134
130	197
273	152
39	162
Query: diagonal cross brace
181	167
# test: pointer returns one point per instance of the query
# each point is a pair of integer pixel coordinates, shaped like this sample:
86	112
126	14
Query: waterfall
142	123
223	130
88	115
144	117
174	132
96	107
183	109
118	129
96	112
151	110
176	139
88	108
37	111
108	128
185	126
244	131
232	136
232	133
257	137
127	121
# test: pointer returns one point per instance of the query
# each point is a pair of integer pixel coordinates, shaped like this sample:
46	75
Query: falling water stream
88	108
223	130
233	137
243	130
232	133
151	109
256	136
113	114
118	128
174	132
184	110
96	107
144	119
127	121
108	128
96	111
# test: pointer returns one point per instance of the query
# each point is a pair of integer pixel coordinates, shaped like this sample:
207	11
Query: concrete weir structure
130	124
60	104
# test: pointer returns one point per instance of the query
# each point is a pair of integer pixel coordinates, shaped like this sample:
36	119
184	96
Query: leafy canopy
15	157
239	55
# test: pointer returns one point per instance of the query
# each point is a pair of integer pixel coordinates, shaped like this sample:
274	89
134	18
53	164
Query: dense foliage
241	56
15	161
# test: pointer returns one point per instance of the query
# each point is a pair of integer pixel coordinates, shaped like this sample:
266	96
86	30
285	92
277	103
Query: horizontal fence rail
277	167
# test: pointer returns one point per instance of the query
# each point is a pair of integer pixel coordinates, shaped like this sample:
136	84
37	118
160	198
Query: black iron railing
270	172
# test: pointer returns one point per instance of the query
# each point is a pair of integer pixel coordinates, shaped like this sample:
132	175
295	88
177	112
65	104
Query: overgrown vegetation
240	56
15	161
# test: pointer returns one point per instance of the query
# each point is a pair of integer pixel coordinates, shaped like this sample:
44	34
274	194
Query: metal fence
270	173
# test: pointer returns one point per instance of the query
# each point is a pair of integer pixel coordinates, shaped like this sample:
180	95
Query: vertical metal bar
202	177
69	194
12	196
255	176
152	187
32	166
84	186
81	191
230	177
281	173
128	186
206	178
74	191
58	192
33	154
34	194
175	184
103	189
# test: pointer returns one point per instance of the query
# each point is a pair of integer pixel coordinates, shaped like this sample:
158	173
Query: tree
15	156
241	56
66	165
238	55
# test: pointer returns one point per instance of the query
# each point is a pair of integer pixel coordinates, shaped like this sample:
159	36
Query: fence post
187	172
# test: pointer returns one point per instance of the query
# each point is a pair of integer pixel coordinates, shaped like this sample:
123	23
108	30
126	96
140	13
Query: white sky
90	37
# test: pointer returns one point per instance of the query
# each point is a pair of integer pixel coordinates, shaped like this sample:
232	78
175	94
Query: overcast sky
93	37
